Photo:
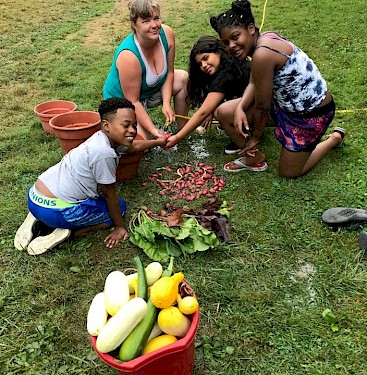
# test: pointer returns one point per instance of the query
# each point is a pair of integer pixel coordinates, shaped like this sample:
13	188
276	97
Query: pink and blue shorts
57	213
302	132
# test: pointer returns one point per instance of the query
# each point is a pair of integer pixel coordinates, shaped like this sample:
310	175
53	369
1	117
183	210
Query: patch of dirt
109	26
116	25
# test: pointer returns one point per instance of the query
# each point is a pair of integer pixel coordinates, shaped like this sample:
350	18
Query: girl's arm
247	100
108	191
141	145
262	69
211	102
131	80
167	87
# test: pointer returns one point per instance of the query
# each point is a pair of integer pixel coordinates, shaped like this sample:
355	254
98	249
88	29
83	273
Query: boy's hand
161	141
114	237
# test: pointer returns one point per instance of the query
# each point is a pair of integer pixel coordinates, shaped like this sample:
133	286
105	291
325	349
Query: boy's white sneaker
43	243
24	234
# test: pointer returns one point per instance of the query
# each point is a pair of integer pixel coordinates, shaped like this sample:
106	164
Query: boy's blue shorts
57	213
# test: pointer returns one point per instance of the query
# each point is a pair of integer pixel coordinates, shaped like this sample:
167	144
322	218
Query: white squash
97	315
156	331
120	325
116	291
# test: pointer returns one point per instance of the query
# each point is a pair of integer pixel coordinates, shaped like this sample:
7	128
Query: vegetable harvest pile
188	182
142	312
180	230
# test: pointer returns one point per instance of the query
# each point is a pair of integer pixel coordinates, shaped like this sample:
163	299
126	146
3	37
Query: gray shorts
154	101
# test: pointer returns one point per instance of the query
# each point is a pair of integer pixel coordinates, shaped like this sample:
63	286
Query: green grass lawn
261	295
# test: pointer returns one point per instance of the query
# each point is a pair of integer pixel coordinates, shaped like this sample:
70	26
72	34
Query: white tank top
151	78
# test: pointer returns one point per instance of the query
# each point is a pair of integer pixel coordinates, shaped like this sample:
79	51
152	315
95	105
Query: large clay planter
47	110
128	166
74	128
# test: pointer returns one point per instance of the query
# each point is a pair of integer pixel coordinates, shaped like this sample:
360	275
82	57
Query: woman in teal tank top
143	71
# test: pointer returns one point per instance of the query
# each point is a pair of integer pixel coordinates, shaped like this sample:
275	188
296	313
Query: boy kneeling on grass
79	193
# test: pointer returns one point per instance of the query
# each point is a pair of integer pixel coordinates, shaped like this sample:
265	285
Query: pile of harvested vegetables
188	182
180	230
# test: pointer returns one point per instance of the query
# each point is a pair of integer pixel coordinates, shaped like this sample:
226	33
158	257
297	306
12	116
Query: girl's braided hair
240	14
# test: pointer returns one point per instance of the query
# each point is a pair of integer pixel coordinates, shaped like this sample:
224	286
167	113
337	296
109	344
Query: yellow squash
159	342
173	322
163	292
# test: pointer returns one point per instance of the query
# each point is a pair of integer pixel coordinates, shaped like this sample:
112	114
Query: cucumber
134	344
142	291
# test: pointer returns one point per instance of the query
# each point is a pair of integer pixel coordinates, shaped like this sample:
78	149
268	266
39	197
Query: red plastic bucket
174	359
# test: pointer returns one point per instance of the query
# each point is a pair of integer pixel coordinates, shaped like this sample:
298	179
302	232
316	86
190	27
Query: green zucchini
142	291
134	344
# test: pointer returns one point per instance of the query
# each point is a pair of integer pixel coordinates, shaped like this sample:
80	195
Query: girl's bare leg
295	164
181	78
224	114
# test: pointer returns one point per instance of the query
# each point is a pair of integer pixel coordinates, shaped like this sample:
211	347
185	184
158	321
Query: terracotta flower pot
74	128
45	111
128	166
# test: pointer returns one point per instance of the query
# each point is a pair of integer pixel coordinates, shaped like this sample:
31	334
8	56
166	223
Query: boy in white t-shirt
79	193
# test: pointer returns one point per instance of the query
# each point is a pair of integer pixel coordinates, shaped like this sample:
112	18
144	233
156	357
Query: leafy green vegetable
159	241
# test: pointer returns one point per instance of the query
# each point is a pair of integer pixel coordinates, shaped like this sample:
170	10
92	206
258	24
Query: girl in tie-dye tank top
286	87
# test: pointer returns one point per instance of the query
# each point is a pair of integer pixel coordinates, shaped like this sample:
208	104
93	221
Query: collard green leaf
160	241
199	244
172	249
145	232
187	246
151	249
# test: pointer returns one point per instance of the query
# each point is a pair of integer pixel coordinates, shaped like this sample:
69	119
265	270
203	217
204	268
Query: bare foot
258	158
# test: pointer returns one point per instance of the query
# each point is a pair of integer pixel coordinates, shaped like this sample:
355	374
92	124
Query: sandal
240	166
362	239
344	216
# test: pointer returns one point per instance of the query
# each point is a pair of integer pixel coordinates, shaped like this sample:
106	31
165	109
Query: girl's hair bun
241	6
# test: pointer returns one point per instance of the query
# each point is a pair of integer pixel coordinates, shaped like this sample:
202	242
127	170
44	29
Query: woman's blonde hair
143	9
